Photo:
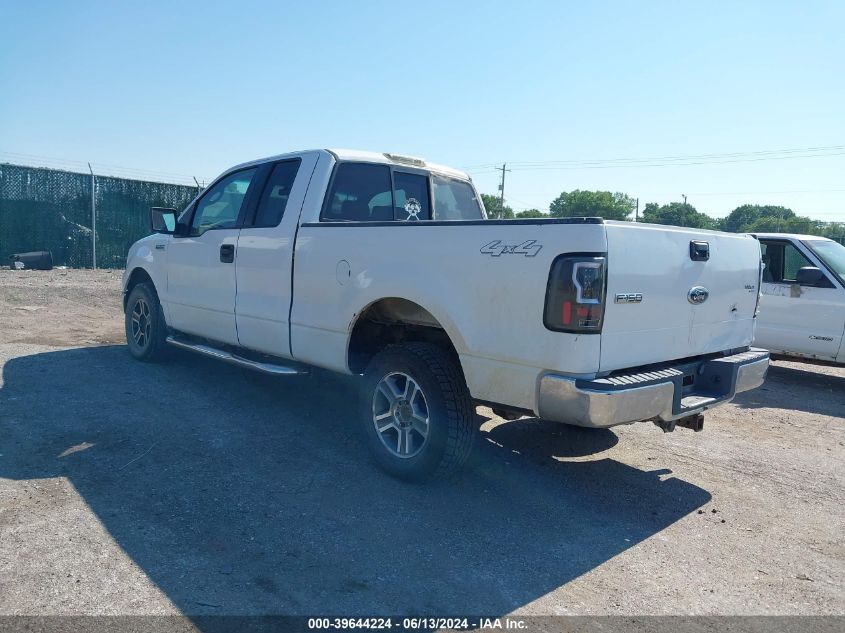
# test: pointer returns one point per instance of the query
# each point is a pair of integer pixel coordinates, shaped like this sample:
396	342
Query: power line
673	164
666	161
754	193
760	153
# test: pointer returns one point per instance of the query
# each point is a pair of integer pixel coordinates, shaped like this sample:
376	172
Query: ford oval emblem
697	295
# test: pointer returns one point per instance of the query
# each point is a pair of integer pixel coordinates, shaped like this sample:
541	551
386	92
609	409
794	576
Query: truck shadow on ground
795	388
241	494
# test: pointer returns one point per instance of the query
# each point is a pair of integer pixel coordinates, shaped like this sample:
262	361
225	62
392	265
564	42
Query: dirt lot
199	488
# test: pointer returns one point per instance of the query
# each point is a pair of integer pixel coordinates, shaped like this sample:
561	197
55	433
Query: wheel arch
391	320
138	275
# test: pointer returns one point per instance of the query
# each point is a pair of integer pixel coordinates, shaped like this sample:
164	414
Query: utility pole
93	220
684	210
637	212
502	169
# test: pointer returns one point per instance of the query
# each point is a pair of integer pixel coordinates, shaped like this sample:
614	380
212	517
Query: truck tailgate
650	316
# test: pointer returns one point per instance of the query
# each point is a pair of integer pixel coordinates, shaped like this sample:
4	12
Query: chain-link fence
51	210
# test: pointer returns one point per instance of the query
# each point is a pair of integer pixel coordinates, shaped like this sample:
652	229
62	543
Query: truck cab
802	308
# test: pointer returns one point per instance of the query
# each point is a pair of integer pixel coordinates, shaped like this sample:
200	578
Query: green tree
678	214
835	230
532	213
491	204
741	219
602	204
795	224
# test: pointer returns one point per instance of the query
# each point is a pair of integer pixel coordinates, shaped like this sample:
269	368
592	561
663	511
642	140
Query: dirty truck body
386	266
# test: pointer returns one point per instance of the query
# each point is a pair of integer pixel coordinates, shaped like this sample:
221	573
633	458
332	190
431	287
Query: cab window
220	206
360	192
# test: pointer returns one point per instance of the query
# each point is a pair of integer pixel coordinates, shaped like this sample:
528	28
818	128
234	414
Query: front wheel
417	413
146	330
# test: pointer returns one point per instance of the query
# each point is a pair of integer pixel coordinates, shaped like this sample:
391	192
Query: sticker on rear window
412	208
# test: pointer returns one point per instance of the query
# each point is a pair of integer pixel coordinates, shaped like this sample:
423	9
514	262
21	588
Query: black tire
144	314
448	407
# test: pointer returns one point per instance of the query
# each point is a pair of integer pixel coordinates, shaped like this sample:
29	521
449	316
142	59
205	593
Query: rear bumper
668	393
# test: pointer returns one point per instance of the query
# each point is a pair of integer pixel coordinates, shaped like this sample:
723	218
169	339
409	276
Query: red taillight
575	295
567	312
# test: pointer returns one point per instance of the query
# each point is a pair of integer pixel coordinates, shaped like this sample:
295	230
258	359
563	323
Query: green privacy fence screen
50	210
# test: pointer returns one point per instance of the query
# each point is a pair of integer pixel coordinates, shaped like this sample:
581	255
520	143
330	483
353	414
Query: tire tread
460	425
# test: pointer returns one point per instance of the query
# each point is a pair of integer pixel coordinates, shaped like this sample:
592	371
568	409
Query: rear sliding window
455	200
364	192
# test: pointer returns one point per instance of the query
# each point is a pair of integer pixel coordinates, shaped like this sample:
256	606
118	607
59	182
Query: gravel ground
199	488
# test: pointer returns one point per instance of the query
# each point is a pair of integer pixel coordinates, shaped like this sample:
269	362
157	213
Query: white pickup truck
386	266
802	310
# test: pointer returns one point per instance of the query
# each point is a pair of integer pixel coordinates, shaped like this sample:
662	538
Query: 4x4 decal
529	248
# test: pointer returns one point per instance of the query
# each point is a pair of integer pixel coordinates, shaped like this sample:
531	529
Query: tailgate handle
699	251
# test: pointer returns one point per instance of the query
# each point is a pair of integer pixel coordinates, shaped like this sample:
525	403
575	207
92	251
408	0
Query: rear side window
454	200
276	192
360	193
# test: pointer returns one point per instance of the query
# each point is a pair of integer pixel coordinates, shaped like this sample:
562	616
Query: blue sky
190	88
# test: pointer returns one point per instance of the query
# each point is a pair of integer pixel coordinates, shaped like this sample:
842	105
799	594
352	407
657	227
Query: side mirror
810	276
163	220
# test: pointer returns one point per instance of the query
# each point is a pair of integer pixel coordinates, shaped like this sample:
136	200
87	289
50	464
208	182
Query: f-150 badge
529	248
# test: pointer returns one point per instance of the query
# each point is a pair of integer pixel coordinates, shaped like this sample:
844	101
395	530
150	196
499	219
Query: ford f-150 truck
385	266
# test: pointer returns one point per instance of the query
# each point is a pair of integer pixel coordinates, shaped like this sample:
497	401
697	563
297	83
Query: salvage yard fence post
93	219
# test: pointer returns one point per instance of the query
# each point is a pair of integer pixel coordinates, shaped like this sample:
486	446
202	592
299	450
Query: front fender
147	255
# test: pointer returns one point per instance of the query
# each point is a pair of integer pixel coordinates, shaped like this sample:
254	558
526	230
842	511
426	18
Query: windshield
831	253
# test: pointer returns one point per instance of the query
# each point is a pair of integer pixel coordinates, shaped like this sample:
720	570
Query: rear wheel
417	413
146	330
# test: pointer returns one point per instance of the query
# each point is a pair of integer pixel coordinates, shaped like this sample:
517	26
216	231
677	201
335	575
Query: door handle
227	253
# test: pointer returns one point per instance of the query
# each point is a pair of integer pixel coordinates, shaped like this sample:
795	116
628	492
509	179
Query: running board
234	359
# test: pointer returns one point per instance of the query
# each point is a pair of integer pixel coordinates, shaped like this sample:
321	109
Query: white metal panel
491	307
150	254
263	264
655	261
802	321
200	289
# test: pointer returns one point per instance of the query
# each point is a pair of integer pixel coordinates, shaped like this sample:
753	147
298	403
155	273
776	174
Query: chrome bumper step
274	369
